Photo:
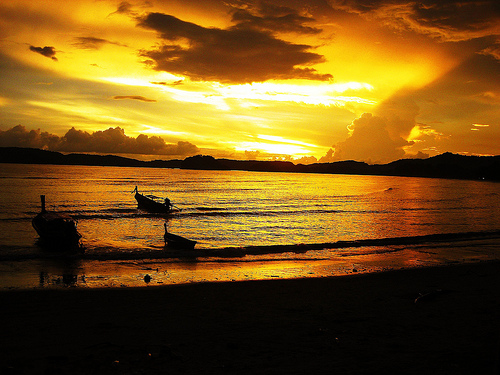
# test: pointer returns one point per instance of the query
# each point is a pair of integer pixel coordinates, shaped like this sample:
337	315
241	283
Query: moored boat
56	228
176	241
153	203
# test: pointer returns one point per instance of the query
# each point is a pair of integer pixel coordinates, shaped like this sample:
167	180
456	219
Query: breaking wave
377	246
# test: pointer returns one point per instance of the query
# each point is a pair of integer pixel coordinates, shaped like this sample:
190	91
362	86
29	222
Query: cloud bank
447	20
247	52
112	140
369	141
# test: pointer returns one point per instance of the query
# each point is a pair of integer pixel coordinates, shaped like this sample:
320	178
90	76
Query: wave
380	245
95	213
210	208
378	242
29	178
128	213
16	219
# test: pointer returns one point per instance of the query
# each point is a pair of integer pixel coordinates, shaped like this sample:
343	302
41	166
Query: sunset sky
301	80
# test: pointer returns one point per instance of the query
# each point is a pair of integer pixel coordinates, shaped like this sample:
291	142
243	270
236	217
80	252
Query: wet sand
441	320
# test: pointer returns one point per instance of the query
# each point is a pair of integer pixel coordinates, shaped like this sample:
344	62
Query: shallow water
232	210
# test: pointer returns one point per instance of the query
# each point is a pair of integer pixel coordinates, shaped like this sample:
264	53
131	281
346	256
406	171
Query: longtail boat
176	241
153	203
56	228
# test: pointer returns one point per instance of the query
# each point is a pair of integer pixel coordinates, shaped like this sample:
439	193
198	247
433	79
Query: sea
248	225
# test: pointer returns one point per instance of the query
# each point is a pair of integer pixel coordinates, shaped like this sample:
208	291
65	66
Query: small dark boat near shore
153	203
176	241
56	229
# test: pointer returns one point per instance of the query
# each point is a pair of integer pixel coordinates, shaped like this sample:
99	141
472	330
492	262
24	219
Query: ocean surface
248	225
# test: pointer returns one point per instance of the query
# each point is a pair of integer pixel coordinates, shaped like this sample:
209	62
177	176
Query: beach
437	320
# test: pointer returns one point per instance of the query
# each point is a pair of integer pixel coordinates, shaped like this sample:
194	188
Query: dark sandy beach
359	324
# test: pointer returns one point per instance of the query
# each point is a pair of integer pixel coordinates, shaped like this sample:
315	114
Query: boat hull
150	205
56	229
178	242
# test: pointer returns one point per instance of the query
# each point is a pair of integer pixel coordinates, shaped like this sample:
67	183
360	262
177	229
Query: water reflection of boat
56	228
176	241
47	279
153	203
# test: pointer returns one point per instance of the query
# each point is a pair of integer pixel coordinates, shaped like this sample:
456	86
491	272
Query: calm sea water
229	209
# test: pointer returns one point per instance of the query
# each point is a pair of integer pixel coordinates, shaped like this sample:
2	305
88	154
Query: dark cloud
400	113
112	140
124	8
49	52
449	106
449	20
18	136
274	18
235	55
452	16
369	141
380	137
182	148
164	83
92	43
134	97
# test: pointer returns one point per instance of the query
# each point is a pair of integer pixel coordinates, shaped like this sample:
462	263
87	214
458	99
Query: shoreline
446	165
67	272
166	253
436	320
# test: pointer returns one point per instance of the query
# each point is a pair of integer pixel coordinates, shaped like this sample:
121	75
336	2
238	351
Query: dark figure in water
168	204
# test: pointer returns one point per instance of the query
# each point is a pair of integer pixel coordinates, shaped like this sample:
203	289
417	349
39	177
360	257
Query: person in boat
168	204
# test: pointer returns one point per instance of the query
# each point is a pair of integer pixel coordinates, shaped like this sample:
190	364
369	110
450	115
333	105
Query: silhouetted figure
168	204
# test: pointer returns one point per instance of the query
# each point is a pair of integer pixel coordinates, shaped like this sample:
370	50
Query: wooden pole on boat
42	198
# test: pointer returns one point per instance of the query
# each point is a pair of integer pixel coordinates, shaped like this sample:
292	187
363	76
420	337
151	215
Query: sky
300	80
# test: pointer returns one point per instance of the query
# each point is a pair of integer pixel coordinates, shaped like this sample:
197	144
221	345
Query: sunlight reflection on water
232	209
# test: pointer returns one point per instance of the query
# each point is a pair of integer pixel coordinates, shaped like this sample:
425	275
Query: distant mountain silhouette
446	165
36	156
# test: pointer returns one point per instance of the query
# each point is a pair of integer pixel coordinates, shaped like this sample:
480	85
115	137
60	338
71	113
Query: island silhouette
447	165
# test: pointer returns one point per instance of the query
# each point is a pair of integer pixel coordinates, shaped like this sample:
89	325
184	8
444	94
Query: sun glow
313	94
283	140
254	94
129	81
154	130
275	145
273	148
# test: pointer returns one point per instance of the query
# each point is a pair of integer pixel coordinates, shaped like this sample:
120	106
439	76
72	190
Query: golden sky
301	80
